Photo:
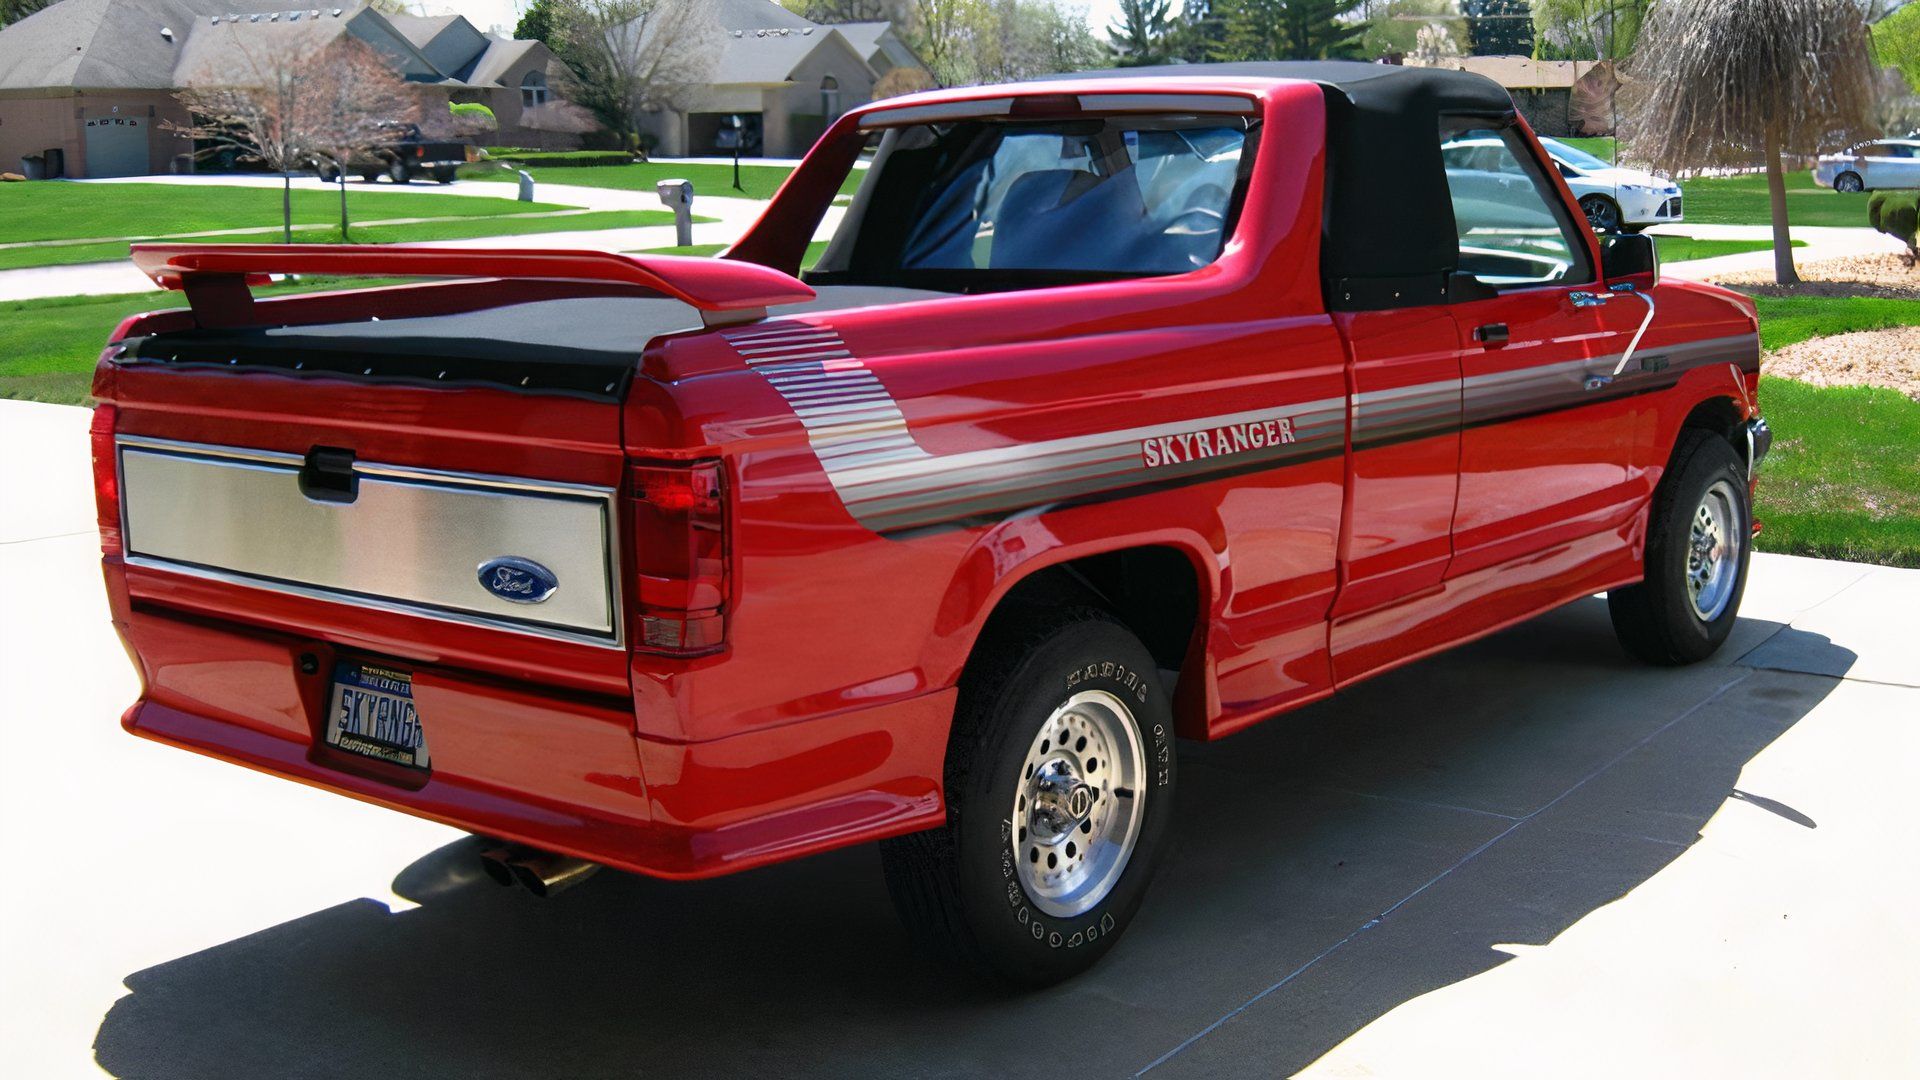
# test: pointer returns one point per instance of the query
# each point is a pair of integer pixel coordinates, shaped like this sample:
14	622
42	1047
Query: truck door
1545	448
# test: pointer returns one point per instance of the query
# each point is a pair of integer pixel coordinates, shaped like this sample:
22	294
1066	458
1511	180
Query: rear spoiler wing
216	277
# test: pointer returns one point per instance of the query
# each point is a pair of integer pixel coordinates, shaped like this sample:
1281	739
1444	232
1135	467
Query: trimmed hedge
560	158
1897	213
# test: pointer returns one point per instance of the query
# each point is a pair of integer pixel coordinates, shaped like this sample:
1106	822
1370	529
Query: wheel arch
1161	586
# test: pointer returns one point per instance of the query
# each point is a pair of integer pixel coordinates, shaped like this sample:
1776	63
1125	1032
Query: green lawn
453	229
1742	200
1787	319
1843	481
1681	248
814	251
758	181
58	211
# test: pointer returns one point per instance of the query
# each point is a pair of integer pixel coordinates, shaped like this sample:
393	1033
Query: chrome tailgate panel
411	539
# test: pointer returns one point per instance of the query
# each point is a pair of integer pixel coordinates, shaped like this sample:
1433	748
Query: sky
487	14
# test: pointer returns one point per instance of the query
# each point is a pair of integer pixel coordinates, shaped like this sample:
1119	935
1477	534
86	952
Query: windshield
1574	156
985	204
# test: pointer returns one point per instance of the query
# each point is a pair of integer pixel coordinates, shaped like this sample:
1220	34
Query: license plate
372	715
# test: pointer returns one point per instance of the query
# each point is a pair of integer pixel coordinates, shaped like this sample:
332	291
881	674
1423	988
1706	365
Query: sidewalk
1822	242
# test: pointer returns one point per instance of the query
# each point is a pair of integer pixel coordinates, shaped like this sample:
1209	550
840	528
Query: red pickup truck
1117	409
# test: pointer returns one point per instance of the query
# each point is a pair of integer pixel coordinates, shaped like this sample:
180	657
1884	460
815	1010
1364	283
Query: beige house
784	77
88	86
1558	97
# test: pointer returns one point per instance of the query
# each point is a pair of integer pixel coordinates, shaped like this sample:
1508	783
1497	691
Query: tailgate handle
328	475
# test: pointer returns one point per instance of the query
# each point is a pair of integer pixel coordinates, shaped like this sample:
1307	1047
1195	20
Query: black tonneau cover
588	346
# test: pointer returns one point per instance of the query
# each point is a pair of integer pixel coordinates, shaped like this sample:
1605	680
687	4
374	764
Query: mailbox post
678	196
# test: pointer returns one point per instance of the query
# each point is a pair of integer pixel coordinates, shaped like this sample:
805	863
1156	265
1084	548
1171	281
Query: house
783	76
1558	97
90	86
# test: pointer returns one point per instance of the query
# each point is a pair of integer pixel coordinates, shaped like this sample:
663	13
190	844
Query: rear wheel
398	172
1849	182
1059	788
1698	546
445	175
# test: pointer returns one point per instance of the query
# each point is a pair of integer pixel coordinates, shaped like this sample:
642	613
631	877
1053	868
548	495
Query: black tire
1849	182
958	888
1658	620
368	176
1603	214
445	175
398	172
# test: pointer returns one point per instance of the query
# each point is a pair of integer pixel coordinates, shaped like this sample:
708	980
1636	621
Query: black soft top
1389	238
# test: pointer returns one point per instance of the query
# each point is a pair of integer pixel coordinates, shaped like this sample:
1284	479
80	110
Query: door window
1513	229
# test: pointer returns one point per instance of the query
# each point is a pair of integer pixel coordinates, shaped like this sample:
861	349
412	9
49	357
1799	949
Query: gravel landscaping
1884	275
1888	358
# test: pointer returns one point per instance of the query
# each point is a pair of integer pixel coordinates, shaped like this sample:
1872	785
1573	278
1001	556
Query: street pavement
1529	857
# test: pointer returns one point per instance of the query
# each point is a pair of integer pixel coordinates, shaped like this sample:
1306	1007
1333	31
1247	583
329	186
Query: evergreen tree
1287	30
1139	36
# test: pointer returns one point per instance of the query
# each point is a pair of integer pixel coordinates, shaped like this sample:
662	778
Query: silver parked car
1886	163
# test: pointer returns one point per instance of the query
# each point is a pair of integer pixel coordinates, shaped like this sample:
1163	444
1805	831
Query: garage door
117	145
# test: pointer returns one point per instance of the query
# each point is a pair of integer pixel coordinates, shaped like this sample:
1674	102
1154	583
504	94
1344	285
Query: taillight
680	557
106	479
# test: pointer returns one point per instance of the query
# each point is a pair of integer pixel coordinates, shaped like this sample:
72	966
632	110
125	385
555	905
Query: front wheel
1850	183
1698	546
1059	788
1603	214
398	173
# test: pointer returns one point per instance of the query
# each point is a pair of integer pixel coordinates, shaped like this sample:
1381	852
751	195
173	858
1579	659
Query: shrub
473	116
1897	213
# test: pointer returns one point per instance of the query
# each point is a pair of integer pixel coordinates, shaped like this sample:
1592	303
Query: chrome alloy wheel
1713	551
1078	807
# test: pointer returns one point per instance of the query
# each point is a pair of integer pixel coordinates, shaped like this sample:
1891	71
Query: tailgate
531	556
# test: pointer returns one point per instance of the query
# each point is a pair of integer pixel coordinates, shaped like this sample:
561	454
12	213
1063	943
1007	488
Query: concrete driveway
1527	858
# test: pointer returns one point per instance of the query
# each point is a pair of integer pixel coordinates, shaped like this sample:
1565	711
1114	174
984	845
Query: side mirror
1629	256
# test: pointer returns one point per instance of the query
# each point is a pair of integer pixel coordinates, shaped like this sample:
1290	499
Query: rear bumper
563	772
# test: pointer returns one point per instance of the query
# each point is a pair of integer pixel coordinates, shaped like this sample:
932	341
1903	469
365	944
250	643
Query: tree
351	98
1587	29
989	41
541	22
902	80
633	57
289	105
1138	35
1287	30
1896	43
1718	83
937	29
12	11
1498	27
848	11
1410	27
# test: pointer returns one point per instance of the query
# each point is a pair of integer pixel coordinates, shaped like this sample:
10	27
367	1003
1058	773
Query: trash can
33	167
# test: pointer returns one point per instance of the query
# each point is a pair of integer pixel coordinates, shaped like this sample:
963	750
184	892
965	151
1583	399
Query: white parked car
1614	199
1887	163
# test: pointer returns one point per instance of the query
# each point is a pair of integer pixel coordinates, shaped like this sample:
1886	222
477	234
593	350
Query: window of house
533	90
1512	226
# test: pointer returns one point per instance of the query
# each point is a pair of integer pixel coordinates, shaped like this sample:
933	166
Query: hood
1619	177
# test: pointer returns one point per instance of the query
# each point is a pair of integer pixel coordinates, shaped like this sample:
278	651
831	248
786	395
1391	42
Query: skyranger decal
890	483
1216	442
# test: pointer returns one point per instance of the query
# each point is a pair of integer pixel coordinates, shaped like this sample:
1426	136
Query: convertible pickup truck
1118	410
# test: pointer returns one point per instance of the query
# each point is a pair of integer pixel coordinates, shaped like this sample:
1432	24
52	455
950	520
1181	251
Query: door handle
1491	334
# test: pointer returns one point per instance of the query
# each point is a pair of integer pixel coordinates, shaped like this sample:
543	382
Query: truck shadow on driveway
1327	867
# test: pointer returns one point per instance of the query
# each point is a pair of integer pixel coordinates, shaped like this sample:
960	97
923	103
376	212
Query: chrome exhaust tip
547	874
495	862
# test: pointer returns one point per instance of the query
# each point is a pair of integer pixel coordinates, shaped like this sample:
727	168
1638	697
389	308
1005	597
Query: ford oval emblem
519	580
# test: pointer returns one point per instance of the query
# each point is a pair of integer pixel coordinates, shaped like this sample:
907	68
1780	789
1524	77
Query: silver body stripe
888	481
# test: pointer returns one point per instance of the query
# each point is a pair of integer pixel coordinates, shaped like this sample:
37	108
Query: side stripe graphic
890	483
